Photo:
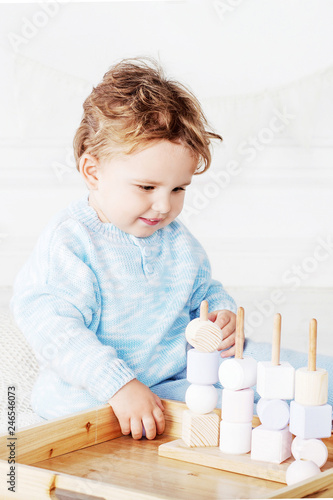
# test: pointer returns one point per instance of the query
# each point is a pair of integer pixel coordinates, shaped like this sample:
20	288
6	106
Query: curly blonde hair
135	104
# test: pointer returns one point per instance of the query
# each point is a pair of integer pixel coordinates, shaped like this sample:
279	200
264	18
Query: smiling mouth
150	222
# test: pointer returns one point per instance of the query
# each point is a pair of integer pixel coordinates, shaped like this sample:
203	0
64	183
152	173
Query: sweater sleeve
57	305
205	288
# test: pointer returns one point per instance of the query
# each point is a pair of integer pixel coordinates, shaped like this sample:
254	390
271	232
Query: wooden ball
300	470
201	399
205	336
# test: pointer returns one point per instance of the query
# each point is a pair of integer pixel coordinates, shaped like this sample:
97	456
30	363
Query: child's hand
134	404
226	320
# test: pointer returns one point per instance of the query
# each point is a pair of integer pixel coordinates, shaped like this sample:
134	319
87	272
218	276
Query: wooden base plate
213	457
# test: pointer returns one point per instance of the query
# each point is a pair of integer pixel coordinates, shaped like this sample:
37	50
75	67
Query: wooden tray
84	456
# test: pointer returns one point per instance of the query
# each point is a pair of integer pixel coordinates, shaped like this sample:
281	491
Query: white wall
264	74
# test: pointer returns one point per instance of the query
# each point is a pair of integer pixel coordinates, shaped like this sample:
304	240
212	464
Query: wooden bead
309	422
273	413
310	449
237	374
271	446
237	406
235	438
202	367
201	398
200	430
311	387
205	336
275	381
300	470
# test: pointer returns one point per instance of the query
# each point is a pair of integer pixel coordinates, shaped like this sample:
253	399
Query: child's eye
178	189
146	188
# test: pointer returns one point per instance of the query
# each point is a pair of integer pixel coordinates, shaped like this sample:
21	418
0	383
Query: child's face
144	191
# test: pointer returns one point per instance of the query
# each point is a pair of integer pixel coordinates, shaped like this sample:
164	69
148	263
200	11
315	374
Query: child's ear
89	170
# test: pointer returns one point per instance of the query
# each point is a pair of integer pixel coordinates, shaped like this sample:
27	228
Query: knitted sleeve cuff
109	378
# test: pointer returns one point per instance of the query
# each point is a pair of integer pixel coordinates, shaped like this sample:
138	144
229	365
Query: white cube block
237	374
310	421
271	446
311	387
203	367
200	430
310	449
273	413
201	398
275	381
235	438
237	406
300	470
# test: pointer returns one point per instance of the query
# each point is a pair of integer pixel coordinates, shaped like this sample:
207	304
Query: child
115	278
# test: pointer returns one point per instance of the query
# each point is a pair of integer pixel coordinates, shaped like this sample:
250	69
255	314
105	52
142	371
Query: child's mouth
150	222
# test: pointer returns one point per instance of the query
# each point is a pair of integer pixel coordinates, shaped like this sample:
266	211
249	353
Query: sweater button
149	268
146	251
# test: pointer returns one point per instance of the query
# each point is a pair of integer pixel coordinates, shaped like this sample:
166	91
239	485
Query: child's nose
162	205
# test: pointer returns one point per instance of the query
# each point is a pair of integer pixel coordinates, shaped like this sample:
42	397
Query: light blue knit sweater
101	307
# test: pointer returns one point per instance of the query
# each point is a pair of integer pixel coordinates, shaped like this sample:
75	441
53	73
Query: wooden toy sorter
271	442
84	456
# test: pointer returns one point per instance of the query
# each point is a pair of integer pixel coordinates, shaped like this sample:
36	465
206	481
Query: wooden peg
312	345
276	340
204	311
311	383
275	379
239	341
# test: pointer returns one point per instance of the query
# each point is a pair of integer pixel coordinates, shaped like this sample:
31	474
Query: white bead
273	413
201	398
271	446
236	374
237	406
275	381
235	438
310	421
300	470
202	367
310	449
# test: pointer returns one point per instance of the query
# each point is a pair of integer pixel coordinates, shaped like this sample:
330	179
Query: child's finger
212	316
136	428
159	402
228	342
223	318
228	330
228	353
159	419
150	426
125	426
